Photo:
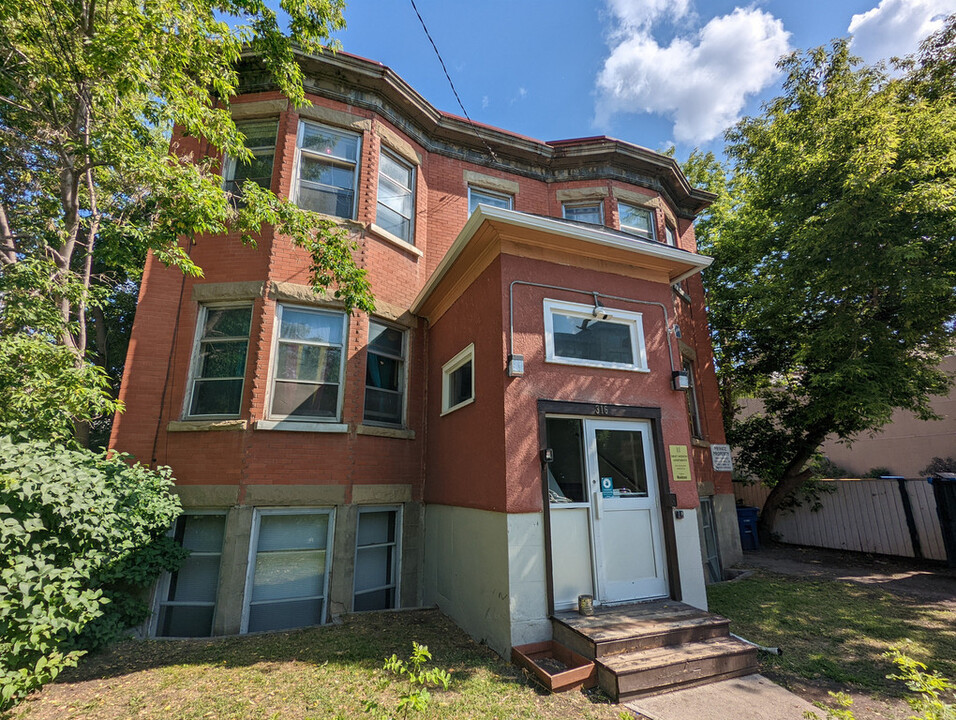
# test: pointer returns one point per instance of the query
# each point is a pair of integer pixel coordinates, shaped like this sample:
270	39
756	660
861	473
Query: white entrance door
627	536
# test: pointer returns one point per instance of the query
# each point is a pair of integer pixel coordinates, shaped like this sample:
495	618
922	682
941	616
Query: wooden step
662	669
633	628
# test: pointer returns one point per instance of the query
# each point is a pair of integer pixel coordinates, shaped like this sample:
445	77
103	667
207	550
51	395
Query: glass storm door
627	536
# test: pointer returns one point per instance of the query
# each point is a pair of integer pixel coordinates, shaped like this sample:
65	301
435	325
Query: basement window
377	553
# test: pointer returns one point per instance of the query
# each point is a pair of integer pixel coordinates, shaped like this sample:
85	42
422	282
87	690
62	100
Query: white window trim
467	354
204	309
494	193
254	549
161	588
413	172
298	160
596	203
637	232
283	419
397	570
633	320
402	424
672	241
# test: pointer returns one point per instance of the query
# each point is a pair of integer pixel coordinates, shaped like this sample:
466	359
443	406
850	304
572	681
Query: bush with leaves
933	700
415	696
81	535
940	465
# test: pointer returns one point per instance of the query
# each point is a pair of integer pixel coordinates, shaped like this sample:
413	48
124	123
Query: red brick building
527	416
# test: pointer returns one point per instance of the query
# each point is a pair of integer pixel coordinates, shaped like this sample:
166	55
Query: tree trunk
794	475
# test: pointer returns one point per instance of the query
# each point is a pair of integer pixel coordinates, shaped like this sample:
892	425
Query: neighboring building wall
906	445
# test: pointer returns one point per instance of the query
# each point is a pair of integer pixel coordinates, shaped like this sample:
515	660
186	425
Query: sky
652	72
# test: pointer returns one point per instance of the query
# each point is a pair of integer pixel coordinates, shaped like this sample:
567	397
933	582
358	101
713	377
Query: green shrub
81	536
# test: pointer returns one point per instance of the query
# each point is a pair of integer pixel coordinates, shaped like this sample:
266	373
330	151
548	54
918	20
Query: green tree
832	292
89	93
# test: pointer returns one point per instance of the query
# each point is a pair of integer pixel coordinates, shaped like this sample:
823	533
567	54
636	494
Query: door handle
598	503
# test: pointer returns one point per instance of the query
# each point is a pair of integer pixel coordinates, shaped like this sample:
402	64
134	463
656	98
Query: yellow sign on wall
680	463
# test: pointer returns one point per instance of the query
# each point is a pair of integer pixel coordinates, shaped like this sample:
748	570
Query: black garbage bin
944	490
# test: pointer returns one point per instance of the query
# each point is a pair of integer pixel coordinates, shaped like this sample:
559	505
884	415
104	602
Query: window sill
205	425
459	406
298	426
378	431
698	442
596	365
385	235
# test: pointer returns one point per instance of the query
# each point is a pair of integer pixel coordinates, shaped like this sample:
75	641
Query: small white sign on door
720	457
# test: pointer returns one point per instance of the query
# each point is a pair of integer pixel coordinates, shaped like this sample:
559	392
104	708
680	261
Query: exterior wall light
515	365
680	380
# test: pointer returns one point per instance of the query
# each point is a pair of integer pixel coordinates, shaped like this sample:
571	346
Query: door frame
668	500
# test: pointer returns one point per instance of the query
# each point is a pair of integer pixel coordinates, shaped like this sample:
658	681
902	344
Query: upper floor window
637	220
458	380
693	409
219	361
384	374
327	174
480	196
671	235
598	337
396	196
261	141
309	364
588	212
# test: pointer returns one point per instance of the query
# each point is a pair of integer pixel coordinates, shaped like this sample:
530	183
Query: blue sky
652	72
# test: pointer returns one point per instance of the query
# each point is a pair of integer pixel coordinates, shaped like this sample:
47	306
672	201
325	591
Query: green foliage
938	465
81	535
877	472
89	96
414	697
832	292
933	700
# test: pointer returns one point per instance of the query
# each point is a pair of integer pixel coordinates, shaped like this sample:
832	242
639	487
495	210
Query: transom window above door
594	336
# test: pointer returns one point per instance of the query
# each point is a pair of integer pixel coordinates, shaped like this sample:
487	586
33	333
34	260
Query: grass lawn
834	633
325	672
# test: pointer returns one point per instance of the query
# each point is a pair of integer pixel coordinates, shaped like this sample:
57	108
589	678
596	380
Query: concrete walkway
752	697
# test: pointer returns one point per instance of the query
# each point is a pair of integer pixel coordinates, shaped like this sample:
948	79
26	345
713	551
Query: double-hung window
260	140
219	362
693	409
480	196
396	197
587	213
637	220
309	364
327	174
670	235
384	374
593	336
186	599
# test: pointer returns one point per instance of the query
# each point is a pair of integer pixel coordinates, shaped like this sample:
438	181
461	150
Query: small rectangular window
260	139
637	220
309	363
187	597
598	337
377	553
480	196
671	235
327	170
693	409
396	197
287	584
587	213
219	362
458	380
384	374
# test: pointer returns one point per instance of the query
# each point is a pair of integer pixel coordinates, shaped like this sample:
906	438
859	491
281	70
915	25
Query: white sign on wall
720	457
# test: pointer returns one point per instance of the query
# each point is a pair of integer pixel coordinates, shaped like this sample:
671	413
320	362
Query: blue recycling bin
747	523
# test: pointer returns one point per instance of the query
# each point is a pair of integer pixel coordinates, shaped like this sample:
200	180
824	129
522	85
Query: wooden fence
864	516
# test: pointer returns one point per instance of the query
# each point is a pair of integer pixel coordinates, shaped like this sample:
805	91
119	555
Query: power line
471	122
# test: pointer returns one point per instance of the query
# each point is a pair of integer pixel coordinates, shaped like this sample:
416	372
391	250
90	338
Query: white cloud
896	27
701	82
641	14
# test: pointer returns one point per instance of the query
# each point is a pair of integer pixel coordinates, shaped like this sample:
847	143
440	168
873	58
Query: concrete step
635	674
